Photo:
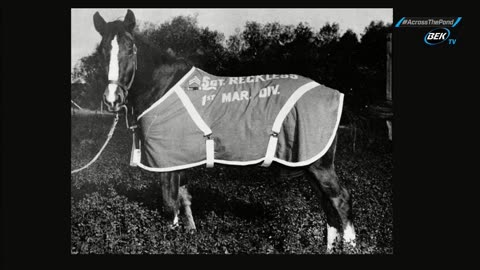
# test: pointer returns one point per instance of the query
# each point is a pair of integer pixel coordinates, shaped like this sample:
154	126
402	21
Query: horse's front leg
185	200
170	185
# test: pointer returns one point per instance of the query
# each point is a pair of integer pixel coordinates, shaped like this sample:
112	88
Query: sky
84	37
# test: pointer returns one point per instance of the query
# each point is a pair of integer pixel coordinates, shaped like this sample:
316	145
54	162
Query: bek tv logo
438	36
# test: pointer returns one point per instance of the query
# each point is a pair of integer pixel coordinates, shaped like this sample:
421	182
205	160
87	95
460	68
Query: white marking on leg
174	224
113	70
332	234
175	220
185	199
349	235
191	222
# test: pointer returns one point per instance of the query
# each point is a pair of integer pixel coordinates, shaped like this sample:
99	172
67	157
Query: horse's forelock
115	28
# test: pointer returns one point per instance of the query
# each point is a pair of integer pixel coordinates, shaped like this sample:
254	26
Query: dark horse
139	77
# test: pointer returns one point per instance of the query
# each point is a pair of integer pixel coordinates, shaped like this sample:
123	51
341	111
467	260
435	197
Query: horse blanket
207	119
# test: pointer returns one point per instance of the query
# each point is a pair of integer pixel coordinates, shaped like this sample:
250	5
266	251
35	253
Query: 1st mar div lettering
243	95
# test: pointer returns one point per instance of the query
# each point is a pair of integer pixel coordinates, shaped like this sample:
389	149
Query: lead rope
115	121
126	118
112	129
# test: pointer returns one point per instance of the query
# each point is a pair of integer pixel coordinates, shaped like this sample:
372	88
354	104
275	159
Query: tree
344	58
186	39
93	72
355	67
372	62
328	34
326	40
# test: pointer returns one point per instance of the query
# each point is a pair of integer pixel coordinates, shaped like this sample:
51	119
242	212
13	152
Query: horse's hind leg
335	199
185	200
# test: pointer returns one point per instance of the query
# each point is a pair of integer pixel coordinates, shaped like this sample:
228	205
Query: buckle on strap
271	149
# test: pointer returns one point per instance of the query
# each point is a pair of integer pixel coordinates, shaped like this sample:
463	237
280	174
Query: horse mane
158	54
158	70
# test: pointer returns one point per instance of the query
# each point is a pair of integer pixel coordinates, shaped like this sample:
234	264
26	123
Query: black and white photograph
231	131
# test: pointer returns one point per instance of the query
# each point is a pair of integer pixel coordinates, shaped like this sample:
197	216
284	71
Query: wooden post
389	66
354	136
389	81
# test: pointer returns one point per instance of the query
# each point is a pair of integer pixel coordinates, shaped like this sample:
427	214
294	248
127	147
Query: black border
431	102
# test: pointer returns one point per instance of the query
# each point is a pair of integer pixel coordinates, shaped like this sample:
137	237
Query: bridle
133	127
125	88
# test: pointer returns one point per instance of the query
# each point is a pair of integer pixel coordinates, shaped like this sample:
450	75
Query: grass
117	209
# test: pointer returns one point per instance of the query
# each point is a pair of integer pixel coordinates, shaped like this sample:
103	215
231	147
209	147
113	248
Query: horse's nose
110	104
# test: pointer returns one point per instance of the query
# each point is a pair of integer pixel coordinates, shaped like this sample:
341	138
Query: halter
112	129
121	85
126	88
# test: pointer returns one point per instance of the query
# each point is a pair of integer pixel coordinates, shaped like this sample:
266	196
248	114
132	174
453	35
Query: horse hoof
173	226
349	235
332	249
190	230
332	236
351	243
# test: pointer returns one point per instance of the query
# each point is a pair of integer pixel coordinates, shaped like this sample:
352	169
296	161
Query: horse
140	73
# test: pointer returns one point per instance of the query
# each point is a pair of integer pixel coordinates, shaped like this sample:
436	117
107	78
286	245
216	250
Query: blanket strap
271	148
209	150
207	132
282	114
135	155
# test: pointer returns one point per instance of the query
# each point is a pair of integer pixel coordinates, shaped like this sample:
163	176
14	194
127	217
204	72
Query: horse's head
119	52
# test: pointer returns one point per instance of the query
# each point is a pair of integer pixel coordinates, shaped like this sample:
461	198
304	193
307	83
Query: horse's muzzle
115	105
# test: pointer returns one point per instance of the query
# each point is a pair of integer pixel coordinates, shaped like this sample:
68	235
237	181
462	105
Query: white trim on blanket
253	162
319	155
292	100
191	165
169	169
169	93
282	114
187	103
209	144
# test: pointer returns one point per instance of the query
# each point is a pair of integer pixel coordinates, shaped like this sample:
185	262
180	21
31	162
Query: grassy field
117	209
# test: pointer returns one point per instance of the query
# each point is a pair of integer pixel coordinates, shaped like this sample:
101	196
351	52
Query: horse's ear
129	21
99	23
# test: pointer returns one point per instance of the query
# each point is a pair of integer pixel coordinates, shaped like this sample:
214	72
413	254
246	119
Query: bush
113	224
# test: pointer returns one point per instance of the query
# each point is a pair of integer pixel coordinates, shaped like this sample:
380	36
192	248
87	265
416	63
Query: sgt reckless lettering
208	84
